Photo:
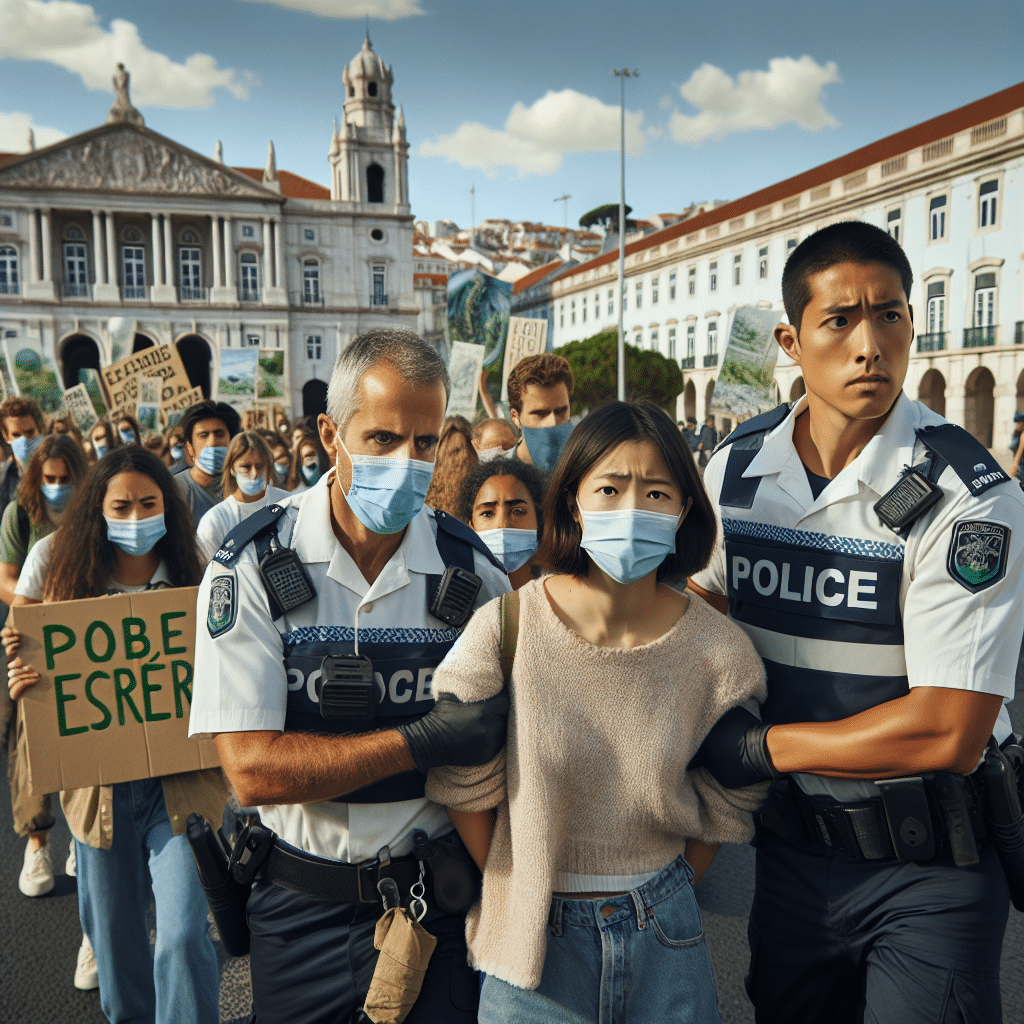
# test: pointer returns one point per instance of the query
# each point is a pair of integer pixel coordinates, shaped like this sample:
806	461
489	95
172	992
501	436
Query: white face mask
490	454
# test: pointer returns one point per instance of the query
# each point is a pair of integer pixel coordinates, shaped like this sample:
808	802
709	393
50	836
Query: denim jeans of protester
179	981
618	960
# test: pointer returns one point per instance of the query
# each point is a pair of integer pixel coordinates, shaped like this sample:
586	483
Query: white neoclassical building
950	190
120	223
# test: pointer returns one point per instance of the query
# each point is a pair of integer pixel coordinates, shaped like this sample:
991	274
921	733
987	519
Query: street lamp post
622	76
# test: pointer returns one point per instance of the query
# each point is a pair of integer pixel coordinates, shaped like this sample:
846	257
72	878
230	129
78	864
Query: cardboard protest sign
464	368
34	374
526	337
744	386
113	701
172	411
270	374
80	406
121	379
150	390
236	380
91	379
121	331
478	312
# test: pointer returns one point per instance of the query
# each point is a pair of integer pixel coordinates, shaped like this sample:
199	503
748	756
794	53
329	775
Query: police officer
873	553
340	602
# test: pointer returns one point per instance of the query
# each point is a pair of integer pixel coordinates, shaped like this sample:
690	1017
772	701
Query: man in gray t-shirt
207	429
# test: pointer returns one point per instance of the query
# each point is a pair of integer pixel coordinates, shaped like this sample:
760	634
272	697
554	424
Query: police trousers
838	941
312	960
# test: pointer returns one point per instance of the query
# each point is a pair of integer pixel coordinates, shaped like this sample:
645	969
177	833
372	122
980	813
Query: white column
106	289
44	218
229	256
215	238
279	277
33	246
265	263
168	252
99	267
111	249
158	277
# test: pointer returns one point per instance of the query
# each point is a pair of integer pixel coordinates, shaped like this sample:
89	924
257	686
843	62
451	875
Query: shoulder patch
978	553
223	605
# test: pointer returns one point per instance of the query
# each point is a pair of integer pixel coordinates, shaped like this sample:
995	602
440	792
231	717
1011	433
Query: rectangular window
737	269
987	196
611	301
249	279
76	279
6	220
133	267
672	286
248	231
654	341
713	338
252	340
937	217
985	300
8	270
713	276
639	297
790	245
654	291
691	341
936	307
893	220
380	297
190	272
691	281
311	282
671	343
314	348
762	262
308	235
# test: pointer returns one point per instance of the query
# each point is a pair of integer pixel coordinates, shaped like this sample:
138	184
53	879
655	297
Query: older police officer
325	617
873	552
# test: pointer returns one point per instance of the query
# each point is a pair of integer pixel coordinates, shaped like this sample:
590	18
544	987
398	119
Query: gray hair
414	359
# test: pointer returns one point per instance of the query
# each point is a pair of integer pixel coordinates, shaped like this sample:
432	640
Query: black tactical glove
458	734
735	751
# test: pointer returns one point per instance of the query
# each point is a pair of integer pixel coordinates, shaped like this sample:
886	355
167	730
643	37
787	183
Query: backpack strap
965	454
456	542
259	523
24	526
509	633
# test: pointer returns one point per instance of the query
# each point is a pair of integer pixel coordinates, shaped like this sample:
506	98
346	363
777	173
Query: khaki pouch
405	950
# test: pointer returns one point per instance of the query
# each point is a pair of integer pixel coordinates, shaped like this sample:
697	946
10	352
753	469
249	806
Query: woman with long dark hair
133	533
456	458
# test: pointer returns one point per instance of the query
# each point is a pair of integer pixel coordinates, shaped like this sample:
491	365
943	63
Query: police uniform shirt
241	683
958	630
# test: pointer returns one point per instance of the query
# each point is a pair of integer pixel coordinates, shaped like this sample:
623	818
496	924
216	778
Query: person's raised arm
8	581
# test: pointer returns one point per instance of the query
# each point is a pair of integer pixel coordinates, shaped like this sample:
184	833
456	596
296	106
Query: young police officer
314	675
873	553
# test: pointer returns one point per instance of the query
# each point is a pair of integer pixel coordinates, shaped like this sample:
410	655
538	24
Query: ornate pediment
123	158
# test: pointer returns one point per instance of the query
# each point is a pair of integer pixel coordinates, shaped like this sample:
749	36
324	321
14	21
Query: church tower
369	155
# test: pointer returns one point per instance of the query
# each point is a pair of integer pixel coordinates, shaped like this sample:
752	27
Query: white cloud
70	35
790	90
535	138
14	133
665	103
385	10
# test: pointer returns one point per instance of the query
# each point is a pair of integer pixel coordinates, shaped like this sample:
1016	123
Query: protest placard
464	368
112	703
80	406
91	379
34	375
271	383
172	411
148	414
526	337
121	379
744	385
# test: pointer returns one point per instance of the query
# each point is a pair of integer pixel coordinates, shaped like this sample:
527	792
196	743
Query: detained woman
133	533
616	679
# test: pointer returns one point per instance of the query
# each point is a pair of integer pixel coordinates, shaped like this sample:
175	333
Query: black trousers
842	942
312	960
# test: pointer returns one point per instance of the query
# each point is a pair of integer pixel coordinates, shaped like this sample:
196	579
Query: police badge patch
223	606
978	554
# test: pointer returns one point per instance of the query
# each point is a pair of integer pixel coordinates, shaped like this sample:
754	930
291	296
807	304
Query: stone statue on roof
121	110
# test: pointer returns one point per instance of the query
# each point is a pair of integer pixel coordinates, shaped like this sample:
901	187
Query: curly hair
527	475
246	441
15	407
455	459
83	557
544	370
53	446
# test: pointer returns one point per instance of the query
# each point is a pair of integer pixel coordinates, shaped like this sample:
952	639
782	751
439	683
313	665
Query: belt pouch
906	810
405	950
454	877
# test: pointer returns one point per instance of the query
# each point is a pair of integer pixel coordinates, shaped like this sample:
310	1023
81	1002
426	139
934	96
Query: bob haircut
526	474
595	436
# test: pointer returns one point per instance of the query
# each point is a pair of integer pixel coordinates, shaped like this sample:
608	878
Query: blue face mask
23	447
281	471
628	543
545	444
513	548
58	495
127	437
386	494
177	451
250	485
101	449
311	473
136	536
211	460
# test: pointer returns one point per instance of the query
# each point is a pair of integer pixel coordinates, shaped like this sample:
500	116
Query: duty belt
912	819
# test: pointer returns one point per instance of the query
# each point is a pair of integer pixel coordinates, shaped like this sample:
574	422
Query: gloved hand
735	751
456	733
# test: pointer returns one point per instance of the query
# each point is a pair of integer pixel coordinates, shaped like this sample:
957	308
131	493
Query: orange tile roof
986	109
433	278
292	185
534	277
6	158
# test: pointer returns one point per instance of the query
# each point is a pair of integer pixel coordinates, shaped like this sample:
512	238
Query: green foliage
608	215
594	362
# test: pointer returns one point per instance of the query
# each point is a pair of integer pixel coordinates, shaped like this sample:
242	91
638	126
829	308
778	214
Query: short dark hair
15	407
209	410
530	477
545	370
850	241
594	437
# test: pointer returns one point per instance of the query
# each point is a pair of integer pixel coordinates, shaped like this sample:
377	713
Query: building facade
120	223
950	190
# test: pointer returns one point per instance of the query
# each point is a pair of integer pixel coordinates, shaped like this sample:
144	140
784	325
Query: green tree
594	362
608	216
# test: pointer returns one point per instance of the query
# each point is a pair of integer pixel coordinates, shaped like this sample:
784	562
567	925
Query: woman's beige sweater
593	779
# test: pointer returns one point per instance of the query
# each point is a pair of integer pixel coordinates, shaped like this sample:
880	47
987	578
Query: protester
207	427
173	451
66	425
246	471
128	429
492	438
609	829
102	440
342	792
132	533
456	458
303	425
502	501
539	393
690	435
309	463
707	441
155	444
281	456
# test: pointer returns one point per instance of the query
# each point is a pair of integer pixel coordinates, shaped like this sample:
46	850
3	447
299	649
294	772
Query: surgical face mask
281	471
513	548
490	454
177	452
23	447
545	444
387	493
211	460
136	536
58	495
628	543
311	473
127	436
100	449
250	485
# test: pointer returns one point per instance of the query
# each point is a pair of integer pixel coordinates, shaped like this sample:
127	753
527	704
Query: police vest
404	658
821	601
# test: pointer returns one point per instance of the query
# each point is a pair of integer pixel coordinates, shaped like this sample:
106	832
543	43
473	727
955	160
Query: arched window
74	233
189	237
249	283
132	235
9	270
371	89
311	282
375	183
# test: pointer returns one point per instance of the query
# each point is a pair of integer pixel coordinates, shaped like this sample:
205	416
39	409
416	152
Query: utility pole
472	214
622	76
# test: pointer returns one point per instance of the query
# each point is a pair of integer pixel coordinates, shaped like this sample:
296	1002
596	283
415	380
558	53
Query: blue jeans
181	982
618	960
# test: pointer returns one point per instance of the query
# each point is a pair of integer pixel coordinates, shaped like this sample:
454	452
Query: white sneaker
86	975
36	878
71	865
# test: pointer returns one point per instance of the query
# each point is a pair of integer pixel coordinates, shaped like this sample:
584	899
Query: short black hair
594	437
209	410
529	476
850	241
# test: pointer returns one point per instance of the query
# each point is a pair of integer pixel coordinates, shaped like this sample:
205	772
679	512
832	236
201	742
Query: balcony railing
72	290
379	300
133	292
191	294
978	337
1018	333
935	342
688	363
248	295
10	288
711	359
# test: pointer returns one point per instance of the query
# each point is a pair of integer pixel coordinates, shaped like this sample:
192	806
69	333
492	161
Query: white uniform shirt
32	578
240	681
952	637
225	516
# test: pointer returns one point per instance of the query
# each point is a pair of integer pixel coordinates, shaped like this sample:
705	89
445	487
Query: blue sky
517	99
